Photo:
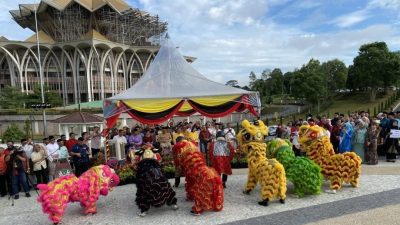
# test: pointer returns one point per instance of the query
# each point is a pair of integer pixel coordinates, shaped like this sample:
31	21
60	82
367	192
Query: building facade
89	49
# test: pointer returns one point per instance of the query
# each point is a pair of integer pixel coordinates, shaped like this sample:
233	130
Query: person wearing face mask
18	164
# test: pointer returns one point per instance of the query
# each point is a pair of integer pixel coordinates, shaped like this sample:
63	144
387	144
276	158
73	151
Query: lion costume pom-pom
86	189
338	168
303	172
203	184
269	172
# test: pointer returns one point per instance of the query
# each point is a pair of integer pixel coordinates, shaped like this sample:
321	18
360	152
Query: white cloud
351	19
232	38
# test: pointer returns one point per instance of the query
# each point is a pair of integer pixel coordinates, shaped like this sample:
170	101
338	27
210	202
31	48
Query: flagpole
40	73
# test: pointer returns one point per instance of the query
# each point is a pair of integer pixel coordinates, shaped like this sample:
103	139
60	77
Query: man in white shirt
120	138
27	148
52	152
121	142
229	132
95	141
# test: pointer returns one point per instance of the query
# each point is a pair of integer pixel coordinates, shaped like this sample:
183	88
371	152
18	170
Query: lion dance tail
55	195
218	193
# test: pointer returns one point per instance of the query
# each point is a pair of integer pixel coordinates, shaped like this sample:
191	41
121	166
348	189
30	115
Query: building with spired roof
90	49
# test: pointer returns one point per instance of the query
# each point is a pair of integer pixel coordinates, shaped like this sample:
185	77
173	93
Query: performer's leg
177	181
224	179
251	183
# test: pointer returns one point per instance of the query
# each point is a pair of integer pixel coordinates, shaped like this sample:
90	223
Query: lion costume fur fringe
268	172
153	188
301	171
203	183
338	168
86	189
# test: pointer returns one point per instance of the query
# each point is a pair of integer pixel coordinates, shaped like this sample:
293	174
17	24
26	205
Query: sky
232	38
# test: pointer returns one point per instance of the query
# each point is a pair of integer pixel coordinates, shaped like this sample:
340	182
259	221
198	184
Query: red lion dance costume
203	184
86	189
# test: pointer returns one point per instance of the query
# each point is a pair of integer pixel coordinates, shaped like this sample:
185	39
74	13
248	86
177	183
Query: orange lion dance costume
203	183
338	168
86	189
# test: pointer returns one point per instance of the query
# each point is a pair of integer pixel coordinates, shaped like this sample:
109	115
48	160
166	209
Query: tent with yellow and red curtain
171	86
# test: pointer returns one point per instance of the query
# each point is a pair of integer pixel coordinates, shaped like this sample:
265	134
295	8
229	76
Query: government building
89	49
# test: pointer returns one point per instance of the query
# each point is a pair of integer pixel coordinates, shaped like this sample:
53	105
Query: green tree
309	83
374	67
49	97
265	75
287	82
252	78
28	128
336	75
276	81
13	133
233	83
11	98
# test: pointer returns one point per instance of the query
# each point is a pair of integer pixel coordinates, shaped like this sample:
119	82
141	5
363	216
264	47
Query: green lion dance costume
301	171
268	172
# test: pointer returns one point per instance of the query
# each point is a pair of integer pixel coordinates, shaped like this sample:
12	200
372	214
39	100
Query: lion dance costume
203	183
301	171
153	188
338	168
269	172
86	189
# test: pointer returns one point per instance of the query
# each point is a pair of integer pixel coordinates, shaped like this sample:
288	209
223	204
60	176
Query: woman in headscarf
391	144
345	138
358	141
372	143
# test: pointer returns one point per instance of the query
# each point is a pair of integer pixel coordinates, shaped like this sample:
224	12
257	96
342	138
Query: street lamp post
40	73
43	107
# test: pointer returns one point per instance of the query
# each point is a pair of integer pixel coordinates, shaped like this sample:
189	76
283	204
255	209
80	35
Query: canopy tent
171	86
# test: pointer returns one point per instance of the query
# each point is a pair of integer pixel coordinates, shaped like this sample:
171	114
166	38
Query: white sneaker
175	207
143	214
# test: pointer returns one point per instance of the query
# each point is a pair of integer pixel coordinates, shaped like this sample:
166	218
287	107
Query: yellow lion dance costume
338	168
269	172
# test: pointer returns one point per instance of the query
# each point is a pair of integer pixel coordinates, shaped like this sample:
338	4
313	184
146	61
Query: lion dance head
308	134
252	133
108	179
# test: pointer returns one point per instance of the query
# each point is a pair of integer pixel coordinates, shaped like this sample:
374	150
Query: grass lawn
355	102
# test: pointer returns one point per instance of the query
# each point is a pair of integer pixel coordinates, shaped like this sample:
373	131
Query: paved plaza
376	201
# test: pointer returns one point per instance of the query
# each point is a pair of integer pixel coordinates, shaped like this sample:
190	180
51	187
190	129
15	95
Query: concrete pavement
379	189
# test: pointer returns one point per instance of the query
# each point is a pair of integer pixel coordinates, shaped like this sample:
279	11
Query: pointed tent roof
171	86
171	76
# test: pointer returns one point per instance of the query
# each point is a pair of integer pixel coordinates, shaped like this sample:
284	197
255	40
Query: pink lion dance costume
86	189
203	183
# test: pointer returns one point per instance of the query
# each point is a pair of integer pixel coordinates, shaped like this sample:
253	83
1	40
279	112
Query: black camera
17	150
